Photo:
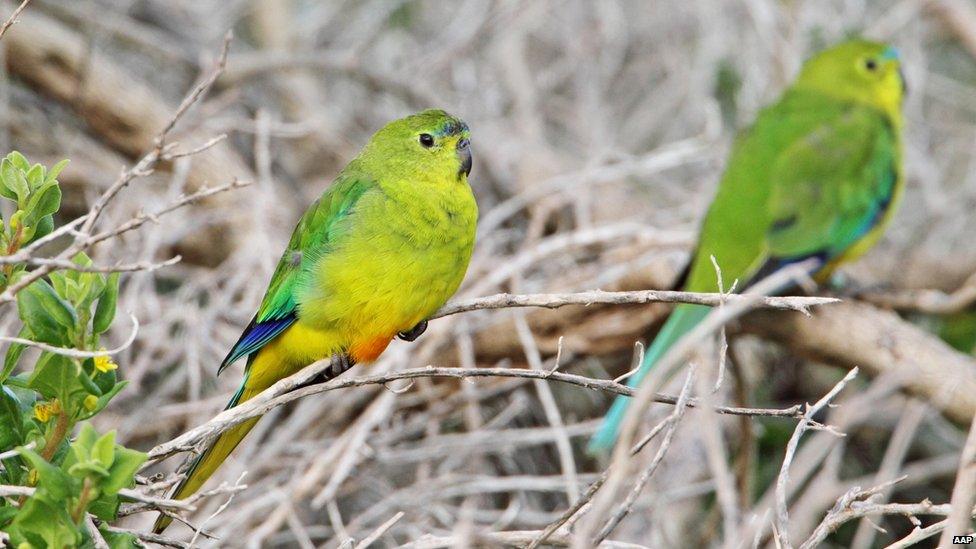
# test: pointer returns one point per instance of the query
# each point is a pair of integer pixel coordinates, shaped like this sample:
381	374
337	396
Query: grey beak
464	156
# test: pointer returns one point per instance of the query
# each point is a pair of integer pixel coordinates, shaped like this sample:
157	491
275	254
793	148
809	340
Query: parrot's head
858	70
430	142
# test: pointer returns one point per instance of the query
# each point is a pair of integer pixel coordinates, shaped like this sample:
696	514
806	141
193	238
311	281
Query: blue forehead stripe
891	53
452	127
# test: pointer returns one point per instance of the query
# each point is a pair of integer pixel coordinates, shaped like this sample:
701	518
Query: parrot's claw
340	364
415	332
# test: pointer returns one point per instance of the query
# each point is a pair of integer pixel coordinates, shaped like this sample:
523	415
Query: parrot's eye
871	65
427	140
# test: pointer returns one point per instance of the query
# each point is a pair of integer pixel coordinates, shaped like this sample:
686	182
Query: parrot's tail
682	320
208	462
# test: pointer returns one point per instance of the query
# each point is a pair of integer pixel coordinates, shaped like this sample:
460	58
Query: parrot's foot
340	364
415	332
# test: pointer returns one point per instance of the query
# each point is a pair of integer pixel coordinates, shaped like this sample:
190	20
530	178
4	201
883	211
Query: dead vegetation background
600	130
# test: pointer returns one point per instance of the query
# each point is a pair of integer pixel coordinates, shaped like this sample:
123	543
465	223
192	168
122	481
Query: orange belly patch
369	350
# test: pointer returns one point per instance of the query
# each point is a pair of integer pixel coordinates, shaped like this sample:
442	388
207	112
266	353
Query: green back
808	179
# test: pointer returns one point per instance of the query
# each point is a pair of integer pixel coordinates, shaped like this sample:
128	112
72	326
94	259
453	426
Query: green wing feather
832	186
313	236
809	179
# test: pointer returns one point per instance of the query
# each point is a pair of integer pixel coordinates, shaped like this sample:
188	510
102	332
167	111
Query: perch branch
295	387
879	342
554	301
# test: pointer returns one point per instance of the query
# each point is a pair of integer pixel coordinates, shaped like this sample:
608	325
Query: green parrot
819	175
382	249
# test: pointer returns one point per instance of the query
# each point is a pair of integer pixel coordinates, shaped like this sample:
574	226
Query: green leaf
13	354
105	310
58	282
87	382
55	483
119	540
55	171
92	286
105	507
45	201
21	188
83	460
79	451
104	449
43	228
81	448
48	316
57	376
6	514
103	400
19	161
35	176
15	220
44	523
11	419
124	466
7	177
106	382
81	258
73	288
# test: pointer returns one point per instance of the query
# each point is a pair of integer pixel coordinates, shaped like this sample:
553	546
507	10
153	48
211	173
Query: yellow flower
46	410
91	401
32	477
104	363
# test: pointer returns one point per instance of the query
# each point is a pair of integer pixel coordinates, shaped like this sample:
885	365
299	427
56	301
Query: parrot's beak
464	156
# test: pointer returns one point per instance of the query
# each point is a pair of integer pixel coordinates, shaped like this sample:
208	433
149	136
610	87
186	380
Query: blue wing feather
255	336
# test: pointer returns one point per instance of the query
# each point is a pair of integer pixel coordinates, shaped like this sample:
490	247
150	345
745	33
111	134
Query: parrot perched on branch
818	176
382	249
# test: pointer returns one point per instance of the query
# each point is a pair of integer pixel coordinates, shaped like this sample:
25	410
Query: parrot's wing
830	188
313	236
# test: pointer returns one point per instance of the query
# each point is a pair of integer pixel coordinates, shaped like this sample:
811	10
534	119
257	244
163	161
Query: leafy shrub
67	383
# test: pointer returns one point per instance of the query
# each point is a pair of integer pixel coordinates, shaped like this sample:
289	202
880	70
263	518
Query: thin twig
964	491
806	423
64	264
553	301
199	529
286	390
150	537
75	353
855	504
604	500
97	540
671	423
13	17
375	535
146	165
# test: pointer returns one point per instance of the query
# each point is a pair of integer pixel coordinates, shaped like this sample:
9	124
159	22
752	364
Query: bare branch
375	535
855	504
806	423
964	491
671	423
75	353
554	301
287	390
880	343
13	17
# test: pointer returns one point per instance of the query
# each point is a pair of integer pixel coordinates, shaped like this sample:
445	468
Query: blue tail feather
683	319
